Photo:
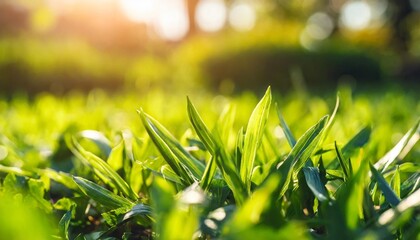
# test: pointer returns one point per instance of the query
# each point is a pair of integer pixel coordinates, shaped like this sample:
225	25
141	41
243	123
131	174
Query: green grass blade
300	153
253	137
116	159
404	145
396	182
357	141
331	119
314	183
345	213
200	128
306	145
224	125
251	212
231	176
60	177
64	222
208	174
99	139
183	163
390	195
411	184
286	130
103	170
412	201
17	171
101	195
219	158
343	163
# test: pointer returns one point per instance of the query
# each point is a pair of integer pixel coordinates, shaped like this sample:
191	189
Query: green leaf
103	170
208	173
183	163
101	195
411	184
253	137
404	145
65	221
219	156
99	139
251	212
345	165
201	129
390	195
17	171
306	145
37	190
331	119
396	182
313	181
358	141
224	125
208	140
412	201
139	211
60	177
344	214
286	130
299	154
115	159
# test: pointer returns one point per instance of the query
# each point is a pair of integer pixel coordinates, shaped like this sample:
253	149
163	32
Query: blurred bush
284	68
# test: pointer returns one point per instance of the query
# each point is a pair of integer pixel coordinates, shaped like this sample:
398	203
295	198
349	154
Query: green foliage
249	174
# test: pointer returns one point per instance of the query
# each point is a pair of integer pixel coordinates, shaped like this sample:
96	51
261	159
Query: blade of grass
331	119
251	212
286	130
306	145
343	163
390	195
208	174
253	137
200	128
404	145
299	154
183	163
313	181
396	182
103	170
412	201
101	195
218	152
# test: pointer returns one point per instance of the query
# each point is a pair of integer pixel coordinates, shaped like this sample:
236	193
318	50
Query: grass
229	168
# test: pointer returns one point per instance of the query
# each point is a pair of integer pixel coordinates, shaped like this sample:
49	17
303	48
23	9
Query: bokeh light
319	26
171	20
142	11
211	15
242	16
355	15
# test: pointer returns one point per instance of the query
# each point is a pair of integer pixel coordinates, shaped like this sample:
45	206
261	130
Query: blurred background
222	45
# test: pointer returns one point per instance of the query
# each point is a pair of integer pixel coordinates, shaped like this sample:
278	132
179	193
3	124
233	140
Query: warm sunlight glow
242	16
319	26
356	15
210	15
141	11
171	22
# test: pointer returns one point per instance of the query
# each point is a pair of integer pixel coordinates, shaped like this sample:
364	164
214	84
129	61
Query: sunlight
171	21
319	26
242	16
356	15
141	11
210	15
